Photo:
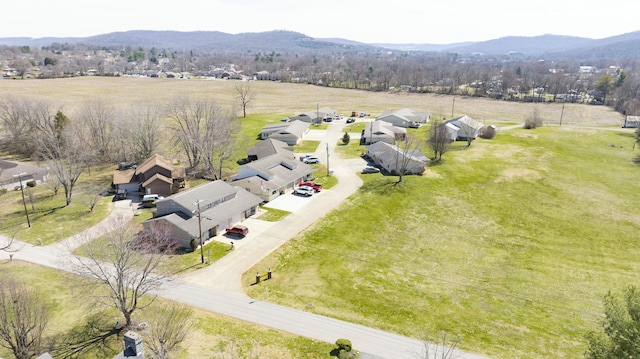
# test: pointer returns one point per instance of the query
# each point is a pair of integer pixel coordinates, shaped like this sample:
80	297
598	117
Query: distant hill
545	46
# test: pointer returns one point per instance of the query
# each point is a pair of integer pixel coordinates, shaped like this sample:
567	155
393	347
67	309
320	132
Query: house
463	128
271	176
210	207
405	118
290	133
316	116
382	131
155	175
269	147
14	174
392	158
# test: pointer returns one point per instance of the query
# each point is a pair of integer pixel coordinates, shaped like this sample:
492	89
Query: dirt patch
519	174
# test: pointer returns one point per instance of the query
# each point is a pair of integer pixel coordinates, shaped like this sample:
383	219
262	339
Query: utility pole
200	231
19	175
561	114
453	104
328	172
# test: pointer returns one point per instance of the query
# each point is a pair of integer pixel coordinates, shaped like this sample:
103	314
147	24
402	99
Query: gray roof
10	169
389	152
218	202
270	146
406	114
380	128
296	127
277	170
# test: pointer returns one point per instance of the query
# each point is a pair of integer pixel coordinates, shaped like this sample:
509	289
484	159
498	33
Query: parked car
370	169
328	119
316	186
149	200
351	120
311	159
238	229
304	191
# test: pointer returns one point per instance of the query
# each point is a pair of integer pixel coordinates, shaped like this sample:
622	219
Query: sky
368	21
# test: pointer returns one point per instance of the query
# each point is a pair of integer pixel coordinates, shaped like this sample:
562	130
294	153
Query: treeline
513	78
198	129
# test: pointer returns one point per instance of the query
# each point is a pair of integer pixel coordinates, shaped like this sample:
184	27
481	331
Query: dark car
370	169
351	120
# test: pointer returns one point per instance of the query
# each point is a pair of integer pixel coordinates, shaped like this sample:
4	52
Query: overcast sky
369	21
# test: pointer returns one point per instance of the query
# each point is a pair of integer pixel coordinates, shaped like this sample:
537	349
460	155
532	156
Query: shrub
346	138
533	121
344	344
345	350
3	191
31	183
488	132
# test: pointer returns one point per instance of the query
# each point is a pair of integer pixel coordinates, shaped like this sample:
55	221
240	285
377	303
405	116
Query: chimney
133	345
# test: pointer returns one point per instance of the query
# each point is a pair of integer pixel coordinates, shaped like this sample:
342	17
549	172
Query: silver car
304	190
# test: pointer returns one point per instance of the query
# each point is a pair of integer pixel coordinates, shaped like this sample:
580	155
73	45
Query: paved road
218	287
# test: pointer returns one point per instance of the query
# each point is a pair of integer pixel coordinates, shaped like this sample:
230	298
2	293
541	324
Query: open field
284	99
212	336
511	242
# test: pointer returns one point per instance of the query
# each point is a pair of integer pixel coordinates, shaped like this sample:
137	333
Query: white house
290	133
463	128
382	131
405	117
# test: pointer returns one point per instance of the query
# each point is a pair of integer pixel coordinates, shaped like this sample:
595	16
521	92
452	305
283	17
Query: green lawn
212	334
511	243
51	220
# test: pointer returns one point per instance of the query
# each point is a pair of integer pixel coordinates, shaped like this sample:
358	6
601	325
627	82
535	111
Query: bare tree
444	349
13	121
438	139
23	318
137	134
200	126
98	117
408	157
168	327
533	120
67	157
125	268
245	95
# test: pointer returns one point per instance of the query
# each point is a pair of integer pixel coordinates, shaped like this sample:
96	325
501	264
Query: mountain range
625	46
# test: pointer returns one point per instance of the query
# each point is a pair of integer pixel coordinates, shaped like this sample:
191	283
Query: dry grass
274	97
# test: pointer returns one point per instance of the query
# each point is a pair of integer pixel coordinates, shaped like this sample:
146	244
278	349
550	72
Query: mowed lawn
510	243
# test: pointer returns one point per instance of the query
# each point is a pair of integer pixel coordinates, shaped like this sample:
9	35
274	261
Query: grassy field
213	335
50	219
510	243
279	100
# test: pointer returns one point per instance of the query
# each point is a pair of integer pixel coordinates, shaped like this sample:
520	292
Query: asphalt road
218	287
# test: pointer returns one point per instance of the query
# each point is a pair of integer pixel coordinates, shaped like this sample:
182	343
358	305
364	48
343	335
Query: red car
316	186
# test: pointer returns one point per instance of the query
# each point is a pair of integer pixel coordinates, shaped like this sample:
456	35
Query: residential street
218	287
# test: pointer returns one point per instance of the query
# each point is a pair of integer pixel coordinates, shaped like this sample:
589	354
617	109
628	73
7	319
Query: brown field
288	99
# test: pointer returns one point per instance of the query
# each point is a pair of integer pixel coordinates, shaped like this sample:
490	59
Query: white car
304	190
311	159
